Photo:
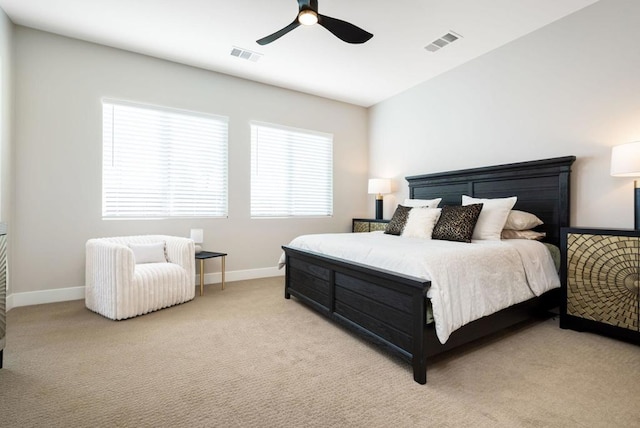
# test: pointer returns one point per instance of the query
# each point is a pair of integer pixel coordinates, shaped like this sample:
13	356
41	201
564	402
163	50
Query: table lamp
379	186
197	235
625	162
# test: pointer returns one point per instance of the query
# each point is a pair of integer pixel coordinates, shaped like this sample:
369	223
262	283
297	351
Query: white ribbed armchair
118	288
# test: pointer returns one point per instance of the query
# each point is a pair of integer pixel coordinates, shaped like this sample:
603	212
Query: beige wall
6	126
571	88
59	86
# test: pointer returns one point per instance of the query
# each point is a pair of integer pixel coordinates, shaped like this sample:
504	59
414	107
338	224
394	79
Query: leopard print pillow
398	221
456	222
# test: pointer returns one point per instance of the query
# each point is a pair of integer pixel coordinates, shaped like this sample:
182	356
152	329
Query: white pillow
521	220
148	253
492	217
420	222
428	203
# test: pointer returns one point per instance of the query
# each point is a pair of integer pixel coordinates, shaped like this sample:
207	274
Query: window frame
218	165
310	134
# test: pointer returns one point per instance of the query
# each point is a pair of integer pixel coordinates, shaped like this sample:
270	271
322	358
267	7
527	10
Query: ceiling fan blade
278	34
308	4
343	30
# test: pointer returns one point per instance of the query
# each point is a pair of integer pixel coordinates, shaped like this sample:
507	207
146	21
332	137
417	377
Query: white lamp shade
379	185
625	160
197	235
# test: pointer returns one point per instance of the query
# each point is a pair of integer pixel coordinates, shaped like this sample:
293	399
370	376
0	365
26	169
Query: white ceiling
202	33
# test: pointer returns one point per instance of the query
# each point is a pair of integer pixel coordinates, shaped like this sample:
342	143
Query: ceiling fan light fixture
308	17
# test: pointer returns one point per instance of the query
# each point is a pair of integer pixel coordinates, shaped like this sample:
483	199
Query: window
160	162
291	172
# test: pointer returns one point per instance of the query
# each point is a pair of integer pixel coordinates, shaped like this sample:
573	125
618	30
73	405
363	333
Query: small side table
202	256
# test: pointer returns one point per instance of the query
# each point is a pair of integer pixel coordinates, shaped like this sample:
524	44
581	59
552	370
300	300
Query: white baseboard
240	275
44	296
75	293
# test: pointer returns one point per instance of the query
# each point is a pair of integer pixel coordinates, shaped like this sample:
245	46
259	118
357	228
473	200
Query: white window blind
160	162
291	172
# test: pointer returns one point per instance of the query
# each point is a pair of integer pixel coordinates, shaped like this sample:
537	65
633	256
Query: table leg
223	257
201	276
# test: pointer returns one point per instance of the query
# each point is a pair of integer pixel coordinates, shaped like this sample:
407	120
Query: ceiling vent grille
245	54
443	41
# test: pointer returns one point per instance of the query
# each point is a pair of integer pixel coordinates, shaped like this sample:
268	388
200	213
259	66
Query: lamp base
636	205
379	208
198	248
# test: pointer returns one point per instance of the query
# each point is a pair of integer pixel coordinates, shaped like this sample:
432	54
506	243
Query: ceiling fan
308	15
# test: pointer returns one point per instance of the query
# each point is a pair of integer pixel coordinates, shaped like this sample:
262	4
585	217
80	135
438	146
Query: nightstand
202	256
368	225
600	277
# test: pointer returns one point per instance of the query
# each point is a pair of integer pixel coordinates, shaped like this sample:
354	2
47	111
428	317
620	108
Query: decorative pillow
522	234
521	220
149	253
398	221
420	222
456	222
428	203
493	216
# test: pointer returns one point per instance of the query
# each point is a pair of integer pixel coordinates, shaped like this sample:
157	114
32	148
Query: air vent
443	41
245	54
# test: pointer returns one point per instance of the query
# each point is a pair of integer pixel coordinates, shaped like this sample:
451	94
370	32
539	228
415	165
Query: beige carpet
247	357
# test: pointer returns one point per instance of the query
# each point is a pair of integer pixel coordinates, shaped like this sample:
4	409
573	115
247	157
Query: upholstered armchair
133	275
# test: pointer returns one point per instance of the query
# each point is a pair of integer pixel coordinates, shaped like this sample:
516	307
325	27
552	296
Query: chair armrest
181	251
109	267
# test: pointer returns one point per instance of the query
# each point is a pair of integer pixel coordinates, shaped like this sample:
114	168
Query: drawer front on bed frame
385	311
311	281
386	308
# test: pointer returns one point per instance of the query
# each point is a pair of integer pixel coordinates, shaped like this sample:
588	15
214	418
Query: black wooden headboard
542	188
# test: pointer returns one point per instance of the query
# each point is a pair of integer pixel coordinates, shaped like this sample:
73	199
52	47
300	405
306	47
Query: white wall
59	86
571	88
6	126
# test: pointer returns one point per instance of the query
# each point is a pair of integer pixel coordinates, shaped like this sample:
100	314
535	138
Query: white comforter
468	281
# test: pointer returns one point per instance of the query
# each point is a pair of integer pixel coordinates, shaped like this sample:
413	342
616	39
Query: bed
390	309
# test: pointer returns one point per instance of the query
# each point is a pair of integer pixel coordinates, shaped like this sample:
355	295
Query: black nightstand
202	256
599	275
368	225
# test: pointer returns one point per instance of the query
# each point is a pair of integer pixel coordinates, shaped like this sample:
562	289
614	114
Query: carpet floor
246	357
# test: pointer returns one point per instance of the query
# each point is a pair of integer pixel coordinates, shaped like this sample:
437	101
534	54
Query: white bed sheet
468	281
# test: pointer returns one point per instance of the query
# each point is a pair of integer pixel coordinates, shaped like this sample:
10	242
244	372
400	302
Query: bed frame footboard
386	308
390	309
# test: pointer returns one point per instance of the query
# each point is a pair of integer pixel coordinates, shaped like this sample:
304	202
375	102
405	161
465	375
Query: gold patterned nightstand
368	225
600	278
